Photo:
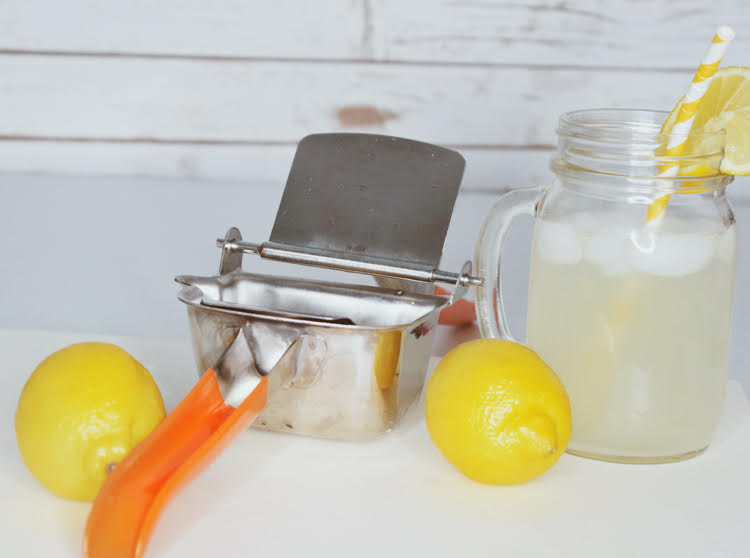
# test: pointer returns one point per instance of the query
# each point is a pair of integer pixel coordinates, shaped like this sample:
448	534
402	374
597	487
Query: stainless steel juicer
343	361
322	359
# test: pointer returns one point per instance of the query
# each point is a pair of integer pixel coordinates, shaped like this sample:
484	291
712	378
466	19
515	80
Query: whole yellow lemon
81	411
497	412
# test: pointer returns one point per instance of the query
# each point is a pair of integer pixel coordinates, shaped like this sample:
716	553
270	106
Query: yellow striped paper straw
681	129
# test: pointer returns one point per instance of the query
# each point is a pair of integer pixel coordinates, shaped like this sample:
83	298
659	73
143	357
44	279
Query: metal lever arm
362	264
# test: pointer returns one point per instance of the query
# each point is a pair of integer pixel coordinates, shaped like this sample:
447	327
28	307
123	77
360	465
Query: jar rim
624	123
629	142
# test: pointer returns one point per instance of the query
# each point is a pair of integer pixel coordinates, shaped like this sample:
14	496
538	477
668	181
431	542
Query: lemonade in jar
632	313
636	322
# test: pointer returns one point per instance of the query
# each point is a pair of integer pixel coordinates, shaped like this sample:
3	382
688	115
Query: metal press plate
370	195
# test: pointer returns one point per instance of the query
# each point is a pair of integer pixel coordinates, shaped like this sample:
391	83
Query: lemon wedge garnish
725	106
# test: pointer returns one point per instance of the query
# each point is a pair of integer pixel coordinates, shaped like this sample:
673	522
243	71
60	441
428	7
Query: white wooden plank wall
224	89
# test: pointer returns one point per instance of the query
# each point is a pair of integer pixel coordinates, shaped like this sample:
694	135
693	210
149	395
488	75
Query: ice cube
558	243
670	254
608	248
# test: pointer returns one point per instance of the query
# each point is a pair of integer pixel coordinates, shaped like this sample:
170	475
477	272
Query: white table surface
282	495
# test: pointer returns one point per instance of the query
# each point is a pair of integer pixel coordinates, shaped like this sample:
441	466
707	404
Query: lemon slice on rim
725	106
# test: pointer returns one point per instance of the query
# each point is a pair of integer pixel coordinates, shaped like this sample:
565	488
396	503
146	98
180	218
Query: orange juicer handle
135	493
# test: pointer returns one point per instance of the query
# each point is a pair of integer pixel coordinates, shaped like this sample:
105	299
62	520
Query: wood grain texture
227	28
277	102
225	90
605	33
205	120
609	33
265	166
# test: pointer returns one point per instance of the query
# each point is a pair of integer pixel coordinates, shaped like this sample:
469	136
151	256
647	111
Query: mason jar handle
489	295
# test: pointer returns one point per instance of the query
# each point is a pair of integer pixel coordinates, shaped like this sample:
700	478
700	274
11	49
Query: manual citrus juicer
331	360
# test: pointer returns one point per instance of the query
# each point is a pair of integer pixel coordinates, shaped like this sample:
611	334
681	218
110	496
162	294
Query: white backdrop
134	133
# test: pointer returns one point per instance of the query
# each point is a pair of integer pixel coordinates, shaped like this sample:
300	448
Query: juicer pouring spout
224	402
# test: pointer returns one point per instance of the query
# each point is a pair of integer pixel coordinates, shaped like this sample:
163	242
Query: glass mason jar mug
633	313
